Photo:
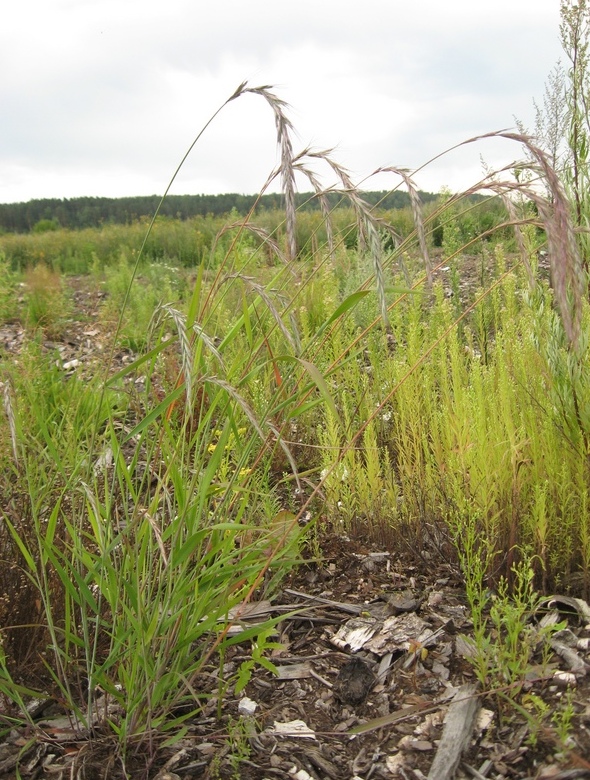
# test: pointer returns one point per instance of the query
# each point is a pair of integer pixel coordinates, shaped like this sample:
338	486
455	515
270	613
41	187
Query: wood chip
572	659
321	762
404	601
294	671
294	728
457	732
397	633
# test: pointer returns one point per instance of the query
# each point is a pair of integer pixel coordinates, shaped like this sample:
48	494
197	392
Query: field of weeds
196	455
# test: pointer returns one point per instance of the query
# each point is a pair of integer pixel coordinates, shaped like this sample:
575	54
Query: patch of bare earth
372	683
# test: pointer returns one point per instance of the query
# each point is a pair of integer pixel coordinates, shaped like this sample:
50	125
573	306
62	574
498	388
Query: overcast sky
103	97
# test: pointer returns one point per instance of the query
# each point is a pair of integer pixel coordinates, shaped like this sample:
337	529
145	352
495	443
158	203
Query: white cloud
102	97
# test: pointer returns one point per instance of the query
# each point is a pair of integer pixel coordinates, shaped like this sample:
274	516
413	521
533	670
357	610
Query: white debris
299	774
247	706
293	728
565	678
395	763
484	720
400	632
104	461
355	633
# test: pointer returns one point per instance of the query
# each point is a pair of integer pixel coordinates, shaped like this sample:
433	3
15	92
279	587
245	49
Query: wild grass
8	292
376	383
78	251
46	304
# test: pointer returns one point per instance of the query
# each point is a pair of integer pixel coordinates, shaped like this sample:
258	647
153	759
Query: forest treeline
87	212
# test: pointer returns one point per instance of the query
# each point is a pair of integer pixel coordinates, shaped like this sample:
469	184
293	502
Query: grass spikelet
233	393
416	205
511	209
261	292
263	235
208	342
566	261
166	310
319	191
567	270
368	225
284	130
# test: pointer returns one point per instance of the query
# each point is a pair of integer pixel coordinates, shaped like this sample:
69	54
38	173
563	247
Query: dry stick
457	731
